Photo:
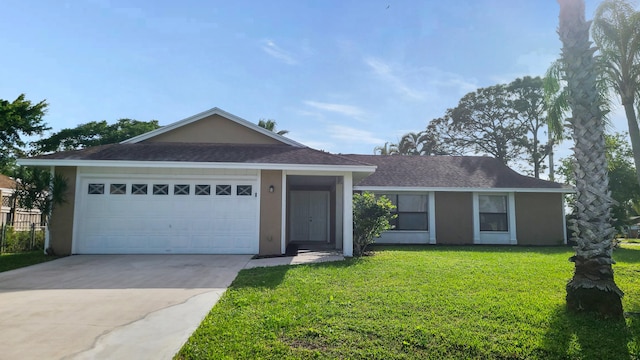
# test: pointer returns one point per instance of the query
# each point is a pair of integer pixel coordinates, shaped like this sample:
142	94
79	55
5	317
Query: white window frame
508	237
415	236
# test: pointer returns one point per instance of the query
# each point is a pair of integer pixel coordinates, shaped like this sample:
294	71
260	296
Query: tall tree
557	107
17	119
271	126
92	134
616	32
592	288
528	101
410	143
386	149
485	122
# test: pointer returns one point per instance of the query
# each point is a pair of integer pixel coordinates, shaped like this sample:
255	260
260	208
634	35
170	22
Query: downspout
564	219
52	172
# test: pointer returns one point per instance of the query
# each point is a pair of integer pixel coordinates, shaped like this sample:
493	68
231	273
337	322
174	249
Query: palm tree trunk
592	288
634	134
552	171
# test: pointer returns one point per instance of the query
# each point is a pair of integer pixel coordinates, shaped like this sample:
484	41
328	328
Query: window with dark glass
180	189
203	189
139	189
412	211
223	189
493	213
118	189
96	189
243	190
160	189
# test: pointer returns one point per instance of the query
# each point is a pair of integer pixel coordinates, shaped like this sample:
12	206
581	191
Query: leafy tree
271	126
528	102
37	189
616	32
92	134
484	122
592	288
371	217
18	118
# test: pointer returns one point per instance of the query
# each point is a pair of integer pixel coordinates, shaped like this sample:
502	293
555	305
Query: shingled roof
475	172
203	152
7	182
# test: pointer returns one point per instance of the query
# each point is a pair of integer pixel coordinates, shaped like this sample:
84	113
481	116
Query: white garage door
154	216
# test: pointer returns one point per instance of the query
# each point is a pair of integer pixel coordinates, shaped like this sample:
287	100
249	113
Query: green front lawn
418	303
17	260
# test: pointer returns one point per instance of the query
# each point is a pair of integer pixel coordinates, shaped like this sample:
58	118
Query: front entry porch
314	213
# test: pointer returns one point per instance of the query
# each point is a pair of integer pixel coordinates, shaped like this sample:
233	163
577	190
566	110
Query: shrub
20	241
371	217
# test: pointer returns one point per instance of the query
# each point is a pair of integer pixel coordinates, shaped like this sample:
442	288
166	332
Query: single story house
214	183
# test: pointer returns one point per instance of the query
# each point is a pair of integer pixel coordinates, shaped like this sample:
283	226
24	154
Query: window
118	189
160	189
411	210
223	189
493	213
139	189
203	189
96	189
243	190
181	189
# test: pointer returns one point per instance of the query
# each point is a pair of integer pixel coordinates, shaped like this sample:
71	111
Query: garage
163	215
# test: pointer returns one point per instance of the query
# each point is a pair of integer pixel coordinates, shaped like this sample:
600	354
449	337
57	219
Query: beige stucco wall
61	225
270	212
214	129
539	219
454	217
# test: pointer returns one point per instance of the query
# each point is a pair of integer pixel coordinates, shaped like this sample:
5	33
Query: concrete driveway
110	306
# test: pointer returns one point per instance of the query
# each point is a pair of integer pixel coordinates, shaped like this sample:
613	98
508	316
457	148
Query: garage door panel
128	223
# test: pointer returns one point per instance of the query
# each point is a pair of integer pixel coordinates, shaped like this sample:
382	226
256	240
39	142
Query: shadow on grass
627	255
272	277
584	336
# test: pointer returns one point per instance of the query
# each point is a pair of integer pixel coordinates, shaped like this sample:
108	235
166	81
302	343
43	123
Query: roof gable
213	126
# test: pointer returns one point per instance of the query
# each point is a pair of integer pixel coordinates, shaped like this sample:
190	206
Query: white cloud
347	110
388	74
420	83
353	135
271	48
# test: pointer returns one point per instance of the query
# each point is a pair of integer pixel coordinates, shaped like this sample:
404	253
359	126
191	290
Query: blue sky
342	76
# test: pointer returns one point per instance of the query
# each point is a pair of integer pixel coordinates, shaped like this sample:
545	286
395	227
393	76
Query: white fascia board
204	114
195	165
451	189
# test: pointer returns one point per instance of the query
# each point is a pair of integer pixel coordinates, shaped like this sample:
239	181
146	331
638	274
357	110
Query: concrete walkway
116	306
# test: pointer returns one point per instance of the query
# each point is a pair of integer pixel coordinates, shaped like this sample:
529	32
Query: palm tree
386	149
616	32
271	126
592	288
555	100
410	144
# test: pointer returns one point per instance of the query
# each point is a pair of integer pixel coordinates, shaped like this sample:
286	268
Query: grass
418	302
13	261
